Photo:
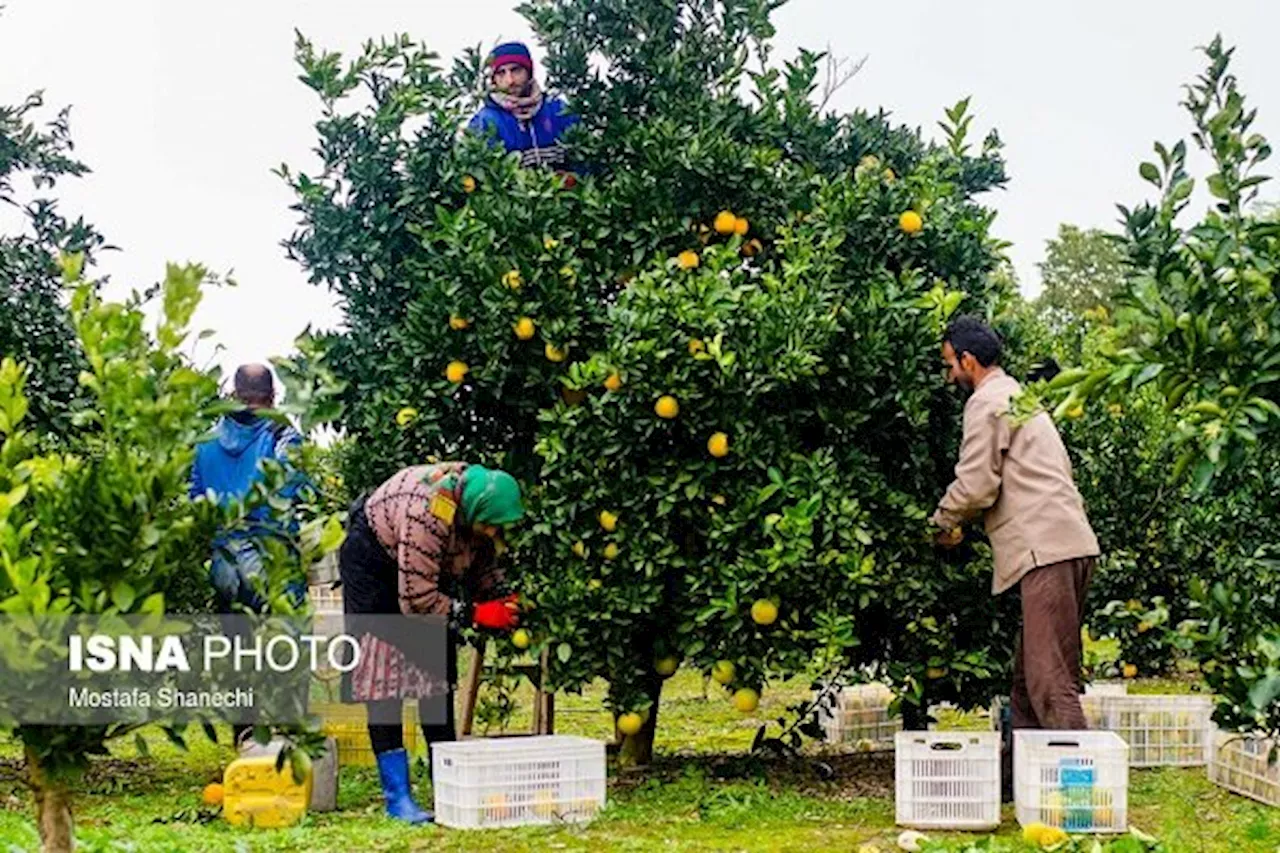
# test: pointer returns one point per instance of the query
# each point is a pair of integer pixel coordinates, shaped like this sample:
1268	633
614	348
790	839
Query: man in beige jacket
1019	479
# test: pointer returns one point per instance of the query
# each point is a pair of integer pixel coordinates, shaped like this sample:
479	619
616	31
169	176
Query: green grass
703	793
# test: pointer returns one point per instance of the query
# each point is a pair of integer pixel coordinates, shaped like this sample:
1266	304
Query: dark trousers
388	737
1046	669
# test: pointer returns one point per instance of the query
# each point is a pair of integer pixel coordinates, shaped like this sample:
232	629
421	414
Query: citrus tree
1200	324
96	520
711	356
33	319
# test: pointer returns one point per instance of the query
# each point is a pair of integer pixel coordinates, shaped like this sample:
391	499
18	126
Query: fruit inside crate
860	717
1077	781
1241	764
519	780
1162	731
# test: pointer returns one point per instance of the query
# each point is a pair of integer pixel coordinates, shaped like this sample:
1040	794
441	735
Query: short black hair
253	384
967	333
1045	370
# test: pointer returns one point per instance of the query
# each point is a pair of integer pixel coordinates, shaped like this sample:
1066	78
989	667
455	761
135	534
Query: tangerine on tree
553	353
613	382
524	328
910	222
666	407
764	612
468	184
741	226
725	222
458	323
688	259
630	723
456	371
718	445
723	671
608	521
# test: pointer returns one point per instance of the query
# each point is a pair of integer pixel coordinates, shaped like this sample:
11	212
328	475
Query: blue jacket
538	140
229	463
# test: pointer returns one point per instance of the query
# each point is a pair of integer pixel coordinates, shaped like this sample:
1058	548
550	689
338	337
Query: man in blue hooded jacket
518	114
228	465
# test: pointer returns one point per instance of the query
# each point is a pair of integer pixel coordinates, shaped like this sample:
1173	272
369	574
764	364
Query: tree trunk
637	749
53	809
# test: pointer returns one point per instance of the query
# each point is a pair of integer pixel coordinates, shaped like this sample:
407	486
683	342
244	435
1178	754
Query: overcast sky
183	108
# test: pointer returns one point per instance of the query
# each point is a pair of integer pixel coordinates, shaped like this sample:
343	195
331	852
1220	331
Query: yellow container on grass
255	794
349	726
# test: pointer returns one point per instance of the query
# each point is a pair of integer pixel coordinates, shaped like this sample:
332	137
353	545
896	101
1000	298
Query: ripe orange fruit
458	323
696	346
910	222
688	259
456	371
725	222
524	328
746	700
1130	671
630	723
520	639
212	794
512	279
718	445
608	521
580	548
554	354
406	416
614	382
468	184
722	671
741	226
666	407
764	612
611	551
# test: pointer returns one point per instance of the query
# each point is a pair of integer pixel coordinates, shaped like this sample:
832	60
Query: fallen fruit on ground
212	794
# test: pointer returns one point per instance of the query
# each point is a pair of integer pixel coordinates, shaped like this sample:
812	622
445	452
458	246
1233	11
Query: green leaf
123	596
564	651
1265	692
140	743
1150	173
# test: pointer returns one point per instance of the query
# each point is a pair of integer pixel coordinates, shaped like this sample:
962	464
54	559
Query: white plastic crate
947	780
491	782
1076	780
861	717
1106	688
1240	763
1162	731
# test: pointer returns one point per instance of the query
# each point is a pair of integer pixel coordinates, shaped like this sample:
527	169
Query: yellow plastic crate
349	726
255	794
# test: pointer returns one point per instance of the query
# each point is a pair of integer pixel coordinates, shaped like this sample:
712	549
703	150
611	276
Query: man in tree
1019	478
517	113
228	465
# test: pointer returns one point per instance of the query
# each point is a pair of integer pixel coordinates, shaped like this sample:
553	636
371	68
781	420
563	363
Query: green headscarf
490	497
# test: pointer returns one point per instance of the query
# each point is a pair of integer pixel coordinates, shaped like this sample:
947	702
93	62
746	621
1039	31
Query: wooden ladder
544	702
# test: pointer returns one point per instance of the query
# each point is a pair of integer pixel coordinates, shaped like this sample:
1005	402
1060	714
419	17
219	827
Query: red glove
501	614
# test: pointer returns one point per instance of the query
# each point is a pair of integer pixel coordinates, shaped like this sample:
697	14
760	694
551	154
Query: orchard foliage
726	244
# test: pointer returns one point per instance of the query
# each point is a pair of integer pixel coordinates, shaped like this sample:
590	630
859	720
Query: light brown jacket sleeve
978	473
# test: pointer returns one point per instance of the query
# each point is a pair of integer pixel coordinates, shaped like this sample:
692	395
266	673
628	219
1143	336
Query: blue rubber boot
393	769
